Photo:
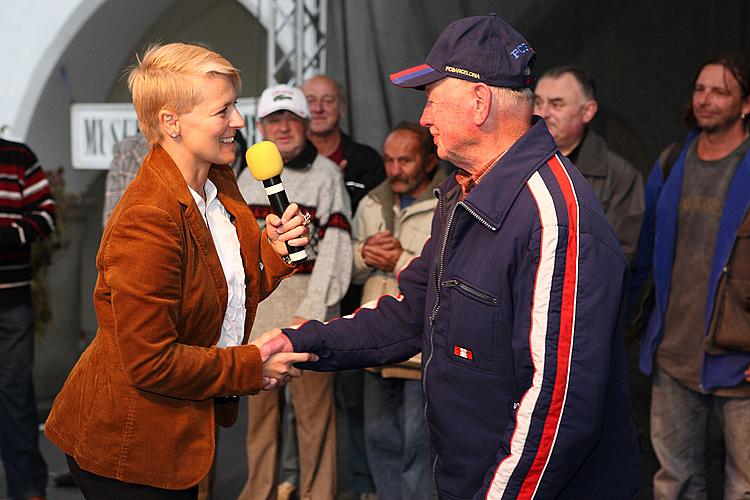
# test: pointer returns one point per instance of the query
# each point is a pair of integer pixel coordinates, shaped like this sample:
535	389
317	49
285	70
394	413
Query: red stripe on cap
409	71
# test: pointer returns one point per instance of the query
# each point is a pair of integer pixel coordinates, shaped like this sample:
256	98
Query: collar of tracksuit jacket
511	172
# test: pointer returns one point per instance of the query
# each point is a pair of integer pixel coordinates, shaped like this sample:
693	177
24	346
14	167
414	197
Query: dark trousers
96	487
398	448
25	470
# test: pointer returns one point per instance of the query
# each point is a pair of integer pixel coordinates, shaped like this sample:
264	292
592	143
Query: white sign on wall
96	127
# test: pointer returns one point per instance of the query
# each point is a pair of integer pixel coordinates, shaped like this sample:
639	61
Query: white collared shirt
227	244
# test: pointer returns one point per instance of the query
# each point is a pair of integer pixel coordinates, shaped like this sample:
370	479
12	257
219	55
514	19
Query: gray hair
508	97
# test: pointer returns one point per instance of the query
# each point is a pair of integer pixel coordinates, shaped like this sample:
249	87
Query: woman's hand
278	370
290	228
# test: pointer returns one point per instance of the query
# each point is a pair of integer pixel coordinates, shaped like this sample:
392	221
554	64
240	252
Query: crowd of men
519	273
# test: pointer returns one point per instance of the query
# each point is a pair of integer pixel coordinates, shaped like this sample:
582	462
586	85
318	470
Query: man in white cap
515	300
315	183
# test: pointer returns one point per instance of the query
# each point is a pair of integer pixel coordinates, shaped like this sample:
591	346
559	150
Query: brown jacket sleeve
146	304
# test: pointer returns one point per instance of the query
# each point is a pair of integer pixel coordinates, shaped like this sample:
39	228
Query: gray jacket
617	185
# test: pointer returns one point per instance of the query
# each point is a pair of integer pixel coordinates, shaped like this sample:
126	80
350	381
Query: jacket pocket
472	329
730	328
741	291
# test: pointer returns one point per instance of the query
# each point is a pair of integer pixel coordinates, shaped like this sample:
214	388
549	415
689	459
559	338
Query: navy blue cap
477	49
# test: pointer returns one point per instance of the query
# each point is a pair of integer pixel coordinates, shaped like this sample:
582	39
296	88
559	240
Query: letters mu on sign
96	127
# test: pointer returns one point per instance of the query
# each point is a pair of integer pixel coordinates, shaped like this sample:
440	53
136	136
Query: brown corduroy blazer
138	406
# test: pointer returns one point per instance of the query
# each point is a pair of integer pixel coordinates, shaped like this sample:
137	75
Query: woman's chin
224	159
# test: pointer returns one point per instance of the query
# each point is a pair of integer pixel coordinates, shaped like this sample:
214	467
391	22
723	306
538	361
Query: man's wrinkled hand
382	251
271	342
278	358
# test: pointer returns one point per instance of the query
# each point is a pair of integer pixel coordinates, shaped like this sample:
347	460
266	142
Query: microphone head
264	160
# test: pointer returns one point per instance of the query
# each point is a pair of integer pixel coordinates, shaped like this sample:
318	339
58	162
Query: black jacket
364	169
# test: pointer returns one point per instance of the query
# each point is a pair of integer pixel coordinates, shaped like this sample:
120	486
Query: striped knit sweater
27	214
315	183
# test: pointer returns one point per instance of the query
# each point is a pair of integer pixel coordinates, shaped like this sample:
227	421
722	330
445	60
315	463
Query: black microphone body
278	199
279	203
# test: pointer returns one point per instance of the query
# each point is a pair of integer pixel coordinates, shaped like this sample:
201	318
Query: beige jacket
377	212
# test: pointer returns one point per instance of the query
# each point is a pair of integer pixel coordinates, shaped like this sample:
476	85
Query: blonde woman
182	266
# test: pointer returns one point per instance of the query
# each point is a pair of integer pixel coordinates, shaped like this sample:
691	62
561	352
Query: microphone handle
279	203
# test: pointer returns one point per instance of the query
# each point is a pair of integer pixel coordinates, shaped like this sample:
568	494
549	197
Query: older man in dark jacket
566	99
515	300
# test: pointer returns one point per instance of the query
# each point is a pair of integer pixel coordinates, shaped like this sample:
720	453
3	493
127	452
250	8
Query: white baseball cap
283	97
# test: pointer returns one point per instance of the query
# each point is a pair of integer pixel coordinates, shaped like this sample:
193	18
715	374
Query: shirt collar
468	181
209	188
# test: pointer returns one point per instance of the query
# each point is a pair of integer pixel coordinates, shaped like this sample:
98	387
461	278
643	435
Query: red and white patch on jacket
463	352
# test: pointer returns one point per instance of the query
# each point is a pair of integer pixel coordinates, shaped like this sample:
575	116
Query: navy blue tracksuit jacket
515	304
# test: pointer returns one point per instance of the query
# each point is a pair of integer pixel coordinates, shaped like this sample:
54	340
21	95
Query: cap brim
296	112
417	77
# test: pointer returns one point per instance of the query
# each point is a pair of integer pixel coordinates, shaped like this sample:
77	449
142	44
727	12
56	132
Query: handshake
277	356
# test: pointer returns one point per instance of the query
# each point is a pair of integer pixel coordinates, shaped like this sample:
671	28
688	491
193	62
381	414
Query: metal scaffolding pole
297	42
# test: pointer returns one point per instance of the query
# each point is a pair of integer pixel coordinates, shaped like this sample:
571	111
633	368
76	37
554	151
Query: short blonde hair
165	79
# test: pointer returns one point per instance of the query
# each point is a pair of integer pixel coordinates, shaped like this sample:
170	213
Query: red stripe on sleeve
565	337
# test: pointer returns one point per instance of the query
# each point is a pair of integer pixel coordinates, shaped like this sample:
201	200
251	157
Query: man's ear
745	107
169	123
482	96
589	111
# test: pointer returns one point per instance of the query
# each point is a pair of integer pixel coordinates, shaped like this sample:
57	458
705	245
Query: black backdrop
642	55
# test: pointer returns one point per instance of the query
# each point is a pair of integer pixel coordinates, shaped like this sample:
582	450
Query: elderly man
313	182
514	300
390	227
361	165
565	97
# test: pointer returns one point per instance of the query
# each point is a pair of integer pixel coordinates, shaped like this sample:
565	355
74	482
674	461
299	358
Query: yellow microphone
265	163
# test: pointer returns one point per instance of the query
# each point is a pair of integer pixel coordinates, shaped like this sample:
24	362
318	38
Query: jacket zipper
477	294
441	261
477	216
436	307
